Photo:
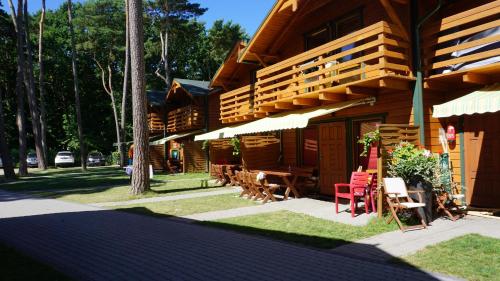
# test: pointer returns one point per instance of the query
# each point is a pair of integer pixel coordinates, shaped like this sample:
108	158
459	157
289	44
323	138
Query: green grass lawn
473	257
16	266
103	184
190	206
302	229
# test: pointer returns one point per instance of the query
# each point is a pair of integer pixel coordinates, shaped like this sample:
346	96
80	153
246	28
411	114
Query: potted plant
369	139
419	168
235	142
370	143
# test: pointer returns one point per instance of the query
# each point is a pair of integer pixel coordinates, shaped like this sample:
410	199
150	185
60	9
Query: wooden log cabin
321	73
187	116
157	116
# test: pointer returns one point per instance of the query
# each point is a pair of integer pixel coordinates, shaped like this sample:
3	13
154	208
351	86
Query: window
337	28
318	37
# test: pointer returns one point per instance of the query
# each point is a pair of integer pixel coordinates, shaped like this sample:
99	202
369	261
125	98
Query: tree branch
103	75
13	15
110	85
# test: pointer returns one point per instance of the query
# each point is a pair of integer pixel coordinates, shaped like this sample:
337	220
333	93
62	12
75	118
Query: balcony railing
463	42
237	105
185	118
155	123
370	58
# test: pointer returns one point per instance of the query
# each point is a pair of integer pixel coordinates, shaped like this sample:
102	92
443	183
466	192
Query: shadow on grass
144	211
176	190
305	240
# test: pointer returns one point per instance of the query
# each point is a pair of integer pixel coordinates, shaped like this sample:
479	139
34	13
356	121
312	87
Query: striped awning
173	137
477	102
283	121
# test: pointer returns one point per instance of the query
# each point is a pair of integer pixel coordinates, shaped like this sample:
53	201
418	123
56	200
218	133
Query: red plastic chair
372	188
353	191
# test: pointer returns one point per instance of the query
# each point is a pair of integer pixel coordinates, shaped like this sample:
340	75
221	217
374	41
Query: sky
249	14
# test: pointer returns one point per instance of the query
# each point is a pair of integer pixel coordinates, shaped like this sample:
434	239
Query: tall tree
8	168
102	38
41	83
125	88
7	45
77	93
167	14
221	38
17	19
140	174
29	81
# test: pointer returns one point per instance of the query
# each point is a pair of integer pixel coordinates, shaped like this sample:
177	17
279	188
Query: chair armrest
416	191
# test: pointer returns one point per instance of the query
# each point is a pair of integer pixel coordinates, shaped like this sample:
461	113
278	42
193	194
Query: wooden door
332	151
482	166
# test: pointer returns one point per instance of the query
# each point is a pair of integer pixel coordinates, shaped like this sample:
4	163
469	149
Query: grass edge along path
183	207
302	229
472	256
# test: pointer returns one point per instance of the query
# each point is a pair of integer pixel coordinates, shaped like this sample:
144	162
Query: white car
64	158
32	160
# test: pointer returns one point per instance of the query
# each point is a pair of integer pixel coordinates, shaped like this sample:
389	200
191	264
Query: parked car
32	160
64	158
96	159
1	163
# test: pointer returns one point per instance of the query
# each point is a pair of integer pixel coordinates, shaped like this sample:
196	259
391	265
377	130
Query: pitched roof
194	87
156	98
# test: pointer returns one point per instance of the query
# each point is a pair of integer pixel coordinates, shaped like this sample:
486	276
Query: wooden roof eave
230	60
279	7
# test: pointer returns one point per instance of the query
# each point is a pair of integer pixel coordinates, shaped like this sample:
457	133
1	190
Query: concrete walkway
315	208
88	243
166	198
397	244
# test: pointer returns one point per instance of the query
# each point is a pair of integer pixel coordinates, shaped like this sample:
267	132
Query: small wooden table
288	178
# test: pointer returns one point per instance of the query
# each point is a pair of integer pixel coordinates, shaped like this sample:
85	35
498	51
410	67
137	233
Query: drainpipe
418	104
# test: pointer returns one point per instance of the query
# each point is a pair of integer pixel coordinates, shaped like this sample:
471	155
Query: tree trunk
125	89
30	86
140	174
41	84
8	168
20	116
167	68
77	93
115	114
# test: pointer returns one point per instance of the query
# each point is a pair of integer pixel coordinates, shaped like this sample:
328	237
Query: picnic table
289	178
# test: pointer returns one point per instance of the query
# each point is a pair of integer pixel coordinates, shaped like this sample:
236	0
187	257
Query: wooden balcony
155	123
359	64
185	118
237	105
463	49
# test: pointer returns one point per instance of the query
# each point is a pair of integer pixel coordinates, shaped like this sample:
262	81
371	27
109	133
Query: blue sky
248	14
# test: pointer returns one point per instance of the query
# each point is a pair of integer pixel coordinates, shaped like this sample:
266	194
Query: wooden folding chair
398	200
221	178
233	180
245	188
255	186
268	190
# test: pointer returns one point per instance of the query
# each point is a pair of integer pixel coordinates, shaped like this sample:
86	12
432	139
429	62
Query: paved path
397	244
88	243
166	198
315	208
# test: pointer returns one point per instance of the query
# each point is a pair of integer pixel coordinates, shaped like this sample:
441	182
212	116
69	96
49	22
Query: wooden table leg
291	187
